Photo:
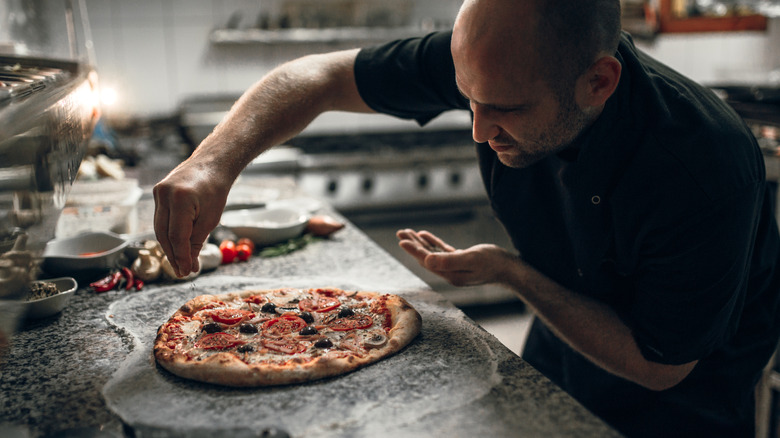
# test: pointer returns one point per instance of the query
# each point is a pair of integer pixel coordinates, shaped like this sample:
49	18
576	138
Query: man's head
537	72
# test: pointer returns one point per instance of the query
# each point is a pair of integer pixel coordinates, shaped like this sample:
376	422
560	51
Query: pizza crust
227	368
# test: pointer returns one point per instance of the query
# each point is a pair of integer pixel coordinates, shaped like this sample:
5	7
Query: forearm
278	107
587	325
590	327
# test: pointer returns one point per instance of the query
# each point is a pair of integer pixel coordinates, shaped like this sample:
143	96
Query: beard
568	124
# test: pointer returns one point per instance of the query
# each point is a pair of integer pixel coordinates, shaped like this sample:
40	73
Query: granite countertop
88	371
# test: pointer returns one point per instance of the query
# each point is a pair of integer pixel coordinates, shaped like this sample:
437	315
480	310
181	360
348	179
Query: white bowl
51	305
98	250
266	226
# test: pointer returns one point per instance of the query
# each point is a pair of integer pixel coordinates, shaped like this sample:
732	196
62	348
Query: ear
598	82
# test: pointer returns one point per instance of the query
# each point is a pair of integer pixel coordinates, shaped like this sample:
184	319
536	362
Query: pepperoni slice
284	325
218	341
320	303
286	346
230	316
353	322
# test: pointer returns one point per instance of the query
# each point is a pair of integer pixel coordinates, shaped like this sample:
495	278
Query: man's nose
483	126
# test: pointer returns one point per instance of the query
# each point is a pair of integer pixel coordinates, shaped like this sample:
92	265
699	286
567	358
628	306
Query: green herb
291	245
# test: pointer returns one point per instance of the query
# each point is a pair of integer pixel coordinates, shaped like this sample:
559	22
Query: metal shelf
305	36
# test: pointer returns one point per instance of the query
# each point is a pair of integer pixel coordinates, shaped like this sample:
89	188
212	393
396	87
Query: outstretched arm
189	201
587	325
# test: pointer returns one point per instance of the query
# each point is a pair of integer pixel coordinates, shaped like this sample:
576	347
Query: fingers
173	222
420	244
433	242
161	215
179	233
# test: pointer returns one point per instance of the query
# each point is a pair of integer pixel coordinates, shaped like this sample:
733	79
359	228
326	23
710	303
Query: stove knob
422	181
332	186
368	184
455	179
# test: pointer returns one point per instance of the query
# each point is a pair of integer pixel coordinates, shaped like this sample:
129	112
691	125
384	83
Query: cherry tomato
248	242
229	252
230	316
320	303
351	323
218	341
243	252
284	324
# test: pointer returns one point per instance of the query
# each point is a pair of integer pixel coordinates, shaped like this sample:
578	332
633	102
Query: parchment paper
451	364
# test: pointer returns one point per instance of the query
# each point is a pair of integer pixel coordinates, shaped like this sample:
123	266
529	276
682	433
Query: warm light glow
108	96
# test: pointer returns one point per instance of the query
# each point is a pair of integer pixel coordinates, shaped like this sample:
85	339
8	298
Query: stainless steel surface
43	138
48	108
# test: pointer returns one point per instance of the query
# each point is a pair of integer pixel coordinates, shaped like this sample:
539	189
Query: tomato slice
286	346
230	316
218	341
320	303
174	331
353	322
284	324
255	299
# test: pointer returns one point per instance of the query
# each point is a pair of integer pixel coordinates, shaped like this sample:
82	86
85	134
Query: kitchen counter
89	371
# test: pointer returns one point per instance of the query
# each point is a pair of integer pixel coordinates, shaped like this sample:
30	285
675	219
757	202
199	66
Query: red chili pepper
139	284
128	274
107	283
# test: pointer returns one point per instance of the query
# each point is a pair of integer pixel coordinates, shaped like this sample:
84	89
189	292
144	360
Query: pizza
282	336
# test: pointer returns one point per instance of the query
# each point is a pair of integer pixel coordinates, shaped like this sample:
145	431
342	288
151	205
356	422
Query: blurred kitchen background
169	69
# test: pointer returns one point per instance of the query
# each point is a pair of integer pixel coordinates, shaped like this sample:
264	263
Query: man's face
522	121
497	69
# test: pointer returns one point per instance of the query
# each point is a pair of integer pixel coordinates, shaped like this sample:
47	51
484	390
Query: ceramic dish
48	306
266	226
98	250
310	205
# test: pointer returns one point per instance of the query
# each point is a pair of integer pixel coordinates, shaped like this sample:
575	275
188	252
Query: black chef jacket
659	209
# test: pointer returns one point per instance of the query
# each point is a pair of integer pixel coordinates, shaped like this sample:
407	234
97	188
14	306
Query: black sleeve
411	79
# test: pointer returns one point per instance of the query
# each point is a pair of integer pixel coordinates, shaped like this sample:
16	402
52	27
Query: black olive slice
324	343
306	316
308	330
212	327
345	312
247	328
269	308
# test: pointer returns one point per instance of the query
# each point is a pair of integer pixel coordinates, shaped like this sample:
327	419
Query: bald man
645	241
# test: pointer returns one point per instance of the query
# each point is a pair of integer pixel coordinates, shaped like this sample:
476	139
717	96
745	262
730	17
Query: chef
636	201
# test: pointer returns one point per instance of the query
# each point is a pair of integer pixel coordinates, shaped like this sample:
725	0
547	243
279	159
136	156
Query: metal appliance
384	174
48	109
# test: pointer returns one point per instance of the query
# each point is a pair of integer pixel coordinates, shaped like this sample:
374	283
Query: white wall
749	57
155	53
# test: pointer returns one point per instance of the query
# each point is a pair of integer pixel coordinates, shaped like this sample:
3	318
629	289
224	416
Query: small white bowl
51	305
266	226
98	250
